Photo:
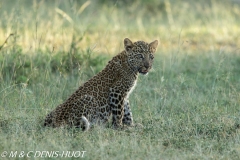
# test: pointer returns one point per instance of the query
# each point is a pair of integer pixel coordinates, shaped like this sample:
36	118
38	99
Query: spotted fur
106	94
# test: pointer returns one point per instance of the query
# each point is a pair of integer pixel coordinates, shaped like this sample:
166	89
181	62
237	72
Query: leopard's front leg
116	102
127	118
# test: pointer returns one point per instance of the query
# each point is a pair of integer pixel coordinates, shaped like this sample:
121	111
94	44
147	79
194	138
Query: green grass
188	104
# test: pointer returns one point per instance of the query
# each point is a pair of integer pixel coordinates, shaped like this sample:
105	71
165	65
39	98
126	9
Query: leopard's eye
140	56
151	56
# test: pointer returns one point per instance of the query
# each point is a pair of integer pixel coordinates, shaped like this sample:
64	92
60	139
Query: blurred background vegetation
62	35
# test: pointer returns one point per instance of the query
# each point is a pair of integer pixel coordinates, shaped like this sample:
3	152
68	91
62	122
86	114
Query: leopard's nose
146	65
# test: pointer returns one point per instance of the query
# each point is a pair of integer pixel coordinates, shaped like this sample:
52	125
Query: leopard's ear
128	44
153	45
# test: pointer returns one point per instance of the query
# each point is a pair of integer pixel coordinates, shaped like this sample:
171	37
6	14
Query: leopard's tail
49	120
85	123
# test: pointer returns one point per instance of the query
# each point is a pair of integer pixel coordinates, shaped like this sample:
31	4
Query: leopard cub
106	94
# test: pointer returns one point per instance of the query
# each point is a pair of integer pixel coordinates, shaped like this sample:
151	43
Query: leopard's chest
131	88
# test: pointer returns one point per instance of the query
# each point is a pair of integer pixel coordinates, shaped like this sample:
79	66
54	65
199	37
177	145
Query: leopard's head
140	55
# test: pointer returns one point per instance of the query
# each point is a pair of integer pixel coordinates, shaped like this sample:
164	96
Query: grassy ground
188	104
